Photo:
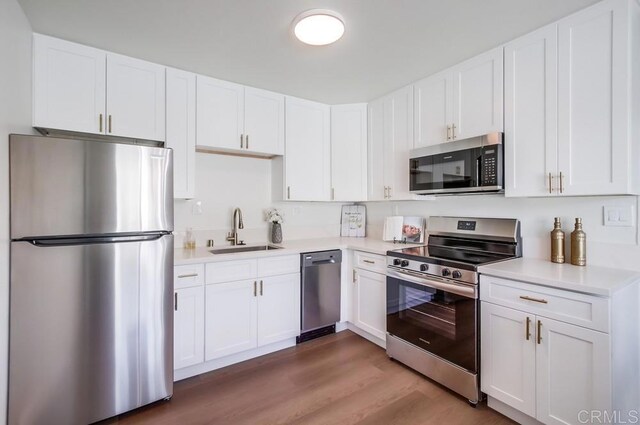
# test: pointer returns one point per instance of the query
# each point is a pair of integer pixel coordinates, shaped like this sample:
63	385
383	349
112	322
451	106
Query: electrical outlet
619	216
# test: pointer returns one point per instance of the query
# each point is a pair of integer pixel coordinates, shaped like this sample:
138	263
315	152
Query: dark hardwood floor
339	379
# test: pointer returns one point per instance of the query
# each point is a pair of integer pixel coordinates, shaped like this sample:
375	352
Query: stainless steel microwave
463	166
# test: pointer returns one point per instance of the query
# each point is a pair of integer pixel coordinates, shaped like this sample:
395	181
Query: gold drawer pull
535	300
539	332
368	261
184	276
528	330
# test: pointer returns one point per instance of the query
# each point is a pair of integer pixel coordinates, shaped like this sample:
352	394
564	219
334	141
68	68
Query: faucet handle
241	243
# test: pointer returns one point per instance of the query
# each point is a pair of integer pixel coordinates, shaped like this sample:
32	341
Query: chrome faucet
237	224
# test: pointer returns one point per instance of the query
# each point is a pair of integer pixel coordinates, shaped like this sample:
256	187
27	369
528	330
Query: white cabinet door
398	122
135	98
592	100
508	356
308	150
531	114
231	322
263	121
220	114
181	130
477	91
376	188
433	111
370	295
188	327
278	308
69	84
349	152
573	367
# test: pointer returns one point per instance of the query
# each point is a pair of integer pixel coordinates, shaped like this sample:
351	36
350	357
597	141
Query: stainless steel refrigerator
91	292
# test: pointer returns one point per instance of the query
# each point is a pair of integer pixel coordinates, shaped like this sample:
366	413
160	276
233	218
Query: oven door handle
468	291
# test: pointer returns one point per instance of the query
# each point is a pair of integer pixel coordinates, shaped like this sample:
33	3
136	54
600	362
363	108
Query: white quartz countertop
202	254
594	280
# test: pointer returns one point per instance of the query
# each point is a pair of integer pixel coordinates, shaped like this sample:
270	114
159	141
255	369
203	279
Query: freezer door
91	329
76	187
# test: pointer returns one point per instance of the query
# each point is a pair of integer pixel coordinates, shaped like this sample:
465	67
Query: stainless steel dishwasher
320	293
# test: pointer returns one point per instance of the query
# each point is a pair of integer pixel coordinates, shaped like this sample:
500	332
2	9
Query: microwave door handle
479	171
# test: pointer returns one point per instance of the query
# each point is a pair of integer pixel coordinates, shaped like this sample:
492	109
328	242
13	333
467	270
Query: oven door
437	316
457	171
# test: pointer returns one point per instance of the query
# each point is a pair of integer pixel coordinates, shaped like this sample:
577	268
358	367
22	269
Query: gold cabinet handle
453	131
448	132
242	141
255	288
261	289
368	261
333	194
385	192
389	192
100	123
535	300
355	276
527	333
539	332
110	124
550	183
175	301
288	192
561	185
246	140
184	276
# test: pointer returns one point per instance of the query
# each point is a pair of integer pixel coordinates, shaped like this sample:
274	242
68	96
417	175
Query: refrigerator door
62	187
91	329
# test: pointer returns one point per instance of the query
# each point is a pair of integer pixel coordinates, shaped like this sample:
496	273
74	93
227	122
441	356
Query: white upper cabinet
531	113
235	118
181	130
570	121
135	98
349	152
220	111
390	140
433	99
477	96
307	166
263	121
461	102
68	86
77	88
593	99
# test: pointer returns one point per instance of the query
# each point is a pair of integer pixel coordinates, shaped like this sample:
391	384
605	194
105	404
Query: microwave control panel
491	165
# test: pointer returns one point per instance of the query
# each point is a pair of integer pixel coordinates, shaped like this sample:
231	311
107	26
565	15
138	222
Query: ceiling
387	43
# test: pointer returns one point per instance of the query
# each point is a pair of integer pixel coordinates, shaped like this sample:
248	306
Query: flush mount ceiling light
318	27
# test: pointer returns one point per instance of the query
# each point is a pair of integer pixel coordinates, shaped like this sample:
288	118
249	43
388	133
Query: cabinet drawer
274	266
188	275
566	306
229	271
372	262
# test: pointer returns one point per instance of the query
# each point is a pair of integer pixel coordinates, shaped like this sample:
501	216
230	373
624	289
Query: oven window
437	321
455	170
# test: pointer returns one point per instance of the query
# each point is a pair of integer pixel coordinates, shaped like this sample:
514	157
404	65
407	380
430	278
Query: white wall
225	182
607	246
15	117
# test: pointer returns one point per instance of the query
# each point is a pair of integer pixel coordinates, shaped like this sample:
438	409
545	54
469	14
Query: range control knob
404	263
424	267
456	274
396	262
446	272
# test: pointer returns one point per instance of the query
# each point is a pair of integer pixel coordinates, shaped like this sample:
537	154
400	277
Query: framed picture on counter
413	229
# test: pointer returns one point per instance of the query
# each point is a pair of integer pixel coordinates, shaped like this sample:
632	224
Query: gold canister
578	245
557	242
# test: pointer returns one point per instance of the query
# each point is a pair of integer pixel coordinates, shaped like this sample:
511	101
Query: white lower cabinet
278	308
545	368
369	294
188	327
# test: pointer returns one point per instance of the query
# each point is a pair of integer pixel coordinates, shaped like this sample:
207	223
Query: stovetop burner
448	255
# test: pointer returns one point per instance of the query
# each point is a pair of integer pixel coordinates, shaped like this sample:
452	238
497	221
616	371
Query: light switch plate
619	215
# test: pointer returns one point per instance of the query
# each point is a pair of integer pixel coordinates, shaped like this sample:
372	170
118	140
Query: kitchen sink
244	249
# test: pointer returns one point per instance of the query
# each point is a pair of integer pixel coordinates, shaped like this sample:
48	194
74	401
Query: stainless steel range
432	298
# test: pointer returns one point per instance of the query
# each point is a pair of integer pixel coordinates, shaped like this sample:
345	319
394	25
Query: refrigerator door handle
52	242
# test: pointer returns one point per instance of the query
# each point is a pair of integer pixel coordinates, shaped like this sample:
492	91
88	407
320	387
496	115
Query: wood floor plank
340	379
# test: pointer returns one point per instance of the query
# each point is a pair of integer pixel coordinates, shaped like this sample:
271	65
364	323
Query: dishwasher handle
319	262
